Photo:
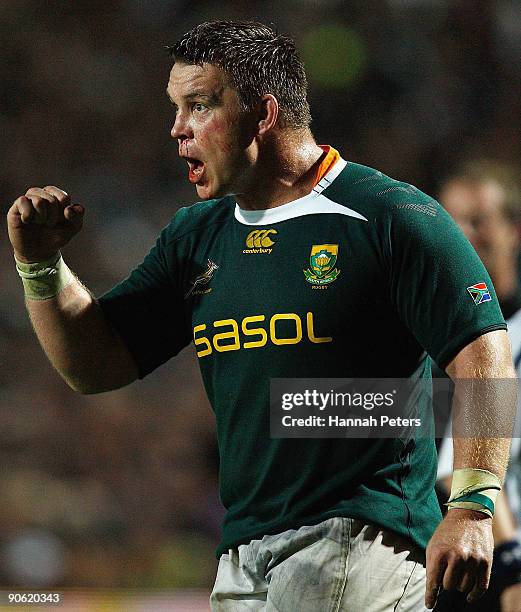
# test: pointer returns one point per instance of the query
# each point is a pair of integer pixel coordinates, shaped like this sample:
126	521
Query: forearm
459	554
484	405
79	342
489	454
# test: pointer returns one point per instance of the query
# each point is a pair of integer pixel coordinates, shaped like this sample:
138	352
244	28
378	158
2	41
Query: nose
181	129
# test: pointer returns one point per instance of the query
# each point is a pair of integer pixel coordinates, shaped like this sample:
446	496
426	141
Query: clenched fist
41	222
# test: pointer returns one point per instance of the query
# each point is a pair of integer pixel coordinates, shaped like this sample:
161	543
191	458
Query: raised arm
66	318
459	555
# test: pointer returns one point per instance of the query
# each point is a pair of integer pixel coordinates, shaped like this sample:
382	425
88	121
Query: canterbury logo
259	241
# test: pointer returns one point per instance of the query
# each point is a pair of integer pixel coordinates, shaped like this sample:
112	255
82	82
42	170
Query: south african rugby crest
322	262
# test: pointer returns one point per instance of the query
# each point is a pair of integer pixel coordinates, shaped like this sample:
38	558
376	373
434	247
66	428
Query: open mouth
195	169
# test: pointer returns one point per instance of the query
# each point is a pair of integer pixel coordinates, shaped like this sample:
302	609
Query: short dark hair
256	59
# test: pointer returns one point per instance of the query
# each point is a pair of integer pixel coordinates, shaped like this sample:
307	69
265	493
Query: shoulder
377	195
197	218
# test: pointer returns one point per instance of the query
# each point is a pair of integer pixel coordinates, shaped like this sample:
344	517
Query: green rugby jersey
257	293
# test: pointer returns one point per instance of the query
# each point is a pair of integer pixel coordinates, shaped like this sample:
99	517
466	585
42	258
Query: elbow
94	378
85	390
89	385
84	387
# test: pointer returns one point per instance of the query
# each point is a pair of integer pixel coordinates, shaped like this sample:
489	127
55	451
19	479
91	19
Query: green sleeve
146	309
433	269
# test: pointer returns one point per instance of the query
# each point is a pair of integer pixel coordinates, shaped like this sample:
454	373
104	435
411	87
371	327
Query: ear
269	112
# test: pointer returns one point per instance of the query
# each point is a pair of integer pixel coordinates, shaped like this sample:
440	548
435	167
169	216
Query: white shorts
339	565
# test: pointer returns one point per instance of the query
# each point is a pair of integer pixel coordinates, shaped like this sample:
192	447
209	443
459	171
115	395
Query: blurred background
119	491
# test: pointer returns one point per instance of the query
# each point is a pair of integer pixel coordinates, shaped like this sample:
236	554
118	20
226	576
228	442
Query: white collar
310	204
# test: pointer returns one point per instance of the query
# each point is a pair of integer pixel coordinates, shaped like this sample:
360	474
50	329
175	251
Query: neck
283	169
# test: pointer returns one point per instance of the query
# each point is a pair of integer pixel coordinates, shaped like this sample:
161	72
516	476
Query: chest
305	280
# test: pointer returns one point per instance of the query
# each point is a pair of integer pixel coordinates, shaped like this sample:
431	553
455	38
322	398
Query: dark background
120	490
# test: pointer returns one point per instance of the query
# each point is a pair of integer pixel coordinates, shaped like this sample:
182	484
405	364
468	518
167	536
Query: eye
198	107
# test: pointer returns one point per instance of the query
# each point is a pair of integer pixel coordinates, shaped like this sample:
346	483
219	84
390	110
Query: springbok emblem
204	278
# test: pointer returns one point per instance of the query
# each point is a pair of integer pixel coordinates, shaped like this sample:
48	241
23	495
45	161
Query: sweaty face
212	132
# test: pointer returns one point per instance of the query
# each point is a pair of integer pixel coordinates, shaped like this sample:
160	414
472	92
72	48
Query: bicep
147	310
434	270
488	356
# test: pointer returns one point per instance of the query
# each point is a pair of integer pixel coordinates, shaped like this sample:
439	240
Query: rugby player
295	263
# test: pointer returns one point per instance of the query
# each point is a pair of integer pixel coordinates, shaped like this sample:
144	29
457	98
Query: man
484	198
311	524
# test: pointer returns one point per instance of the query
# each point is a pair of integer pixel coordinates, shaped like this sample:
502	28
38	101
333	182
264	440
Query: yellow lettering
311	332
290	316
234	333
258	331
203	340
230	339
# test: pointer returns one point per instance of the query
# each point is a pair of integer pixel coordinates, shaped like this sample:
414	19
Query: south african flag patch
479	293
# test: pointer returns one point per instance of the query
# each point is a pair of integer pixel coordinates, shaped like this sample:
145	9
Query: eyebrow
214	98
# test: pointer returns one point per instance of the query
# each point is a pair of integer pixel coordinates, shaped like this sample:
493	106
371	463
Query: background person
484	198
